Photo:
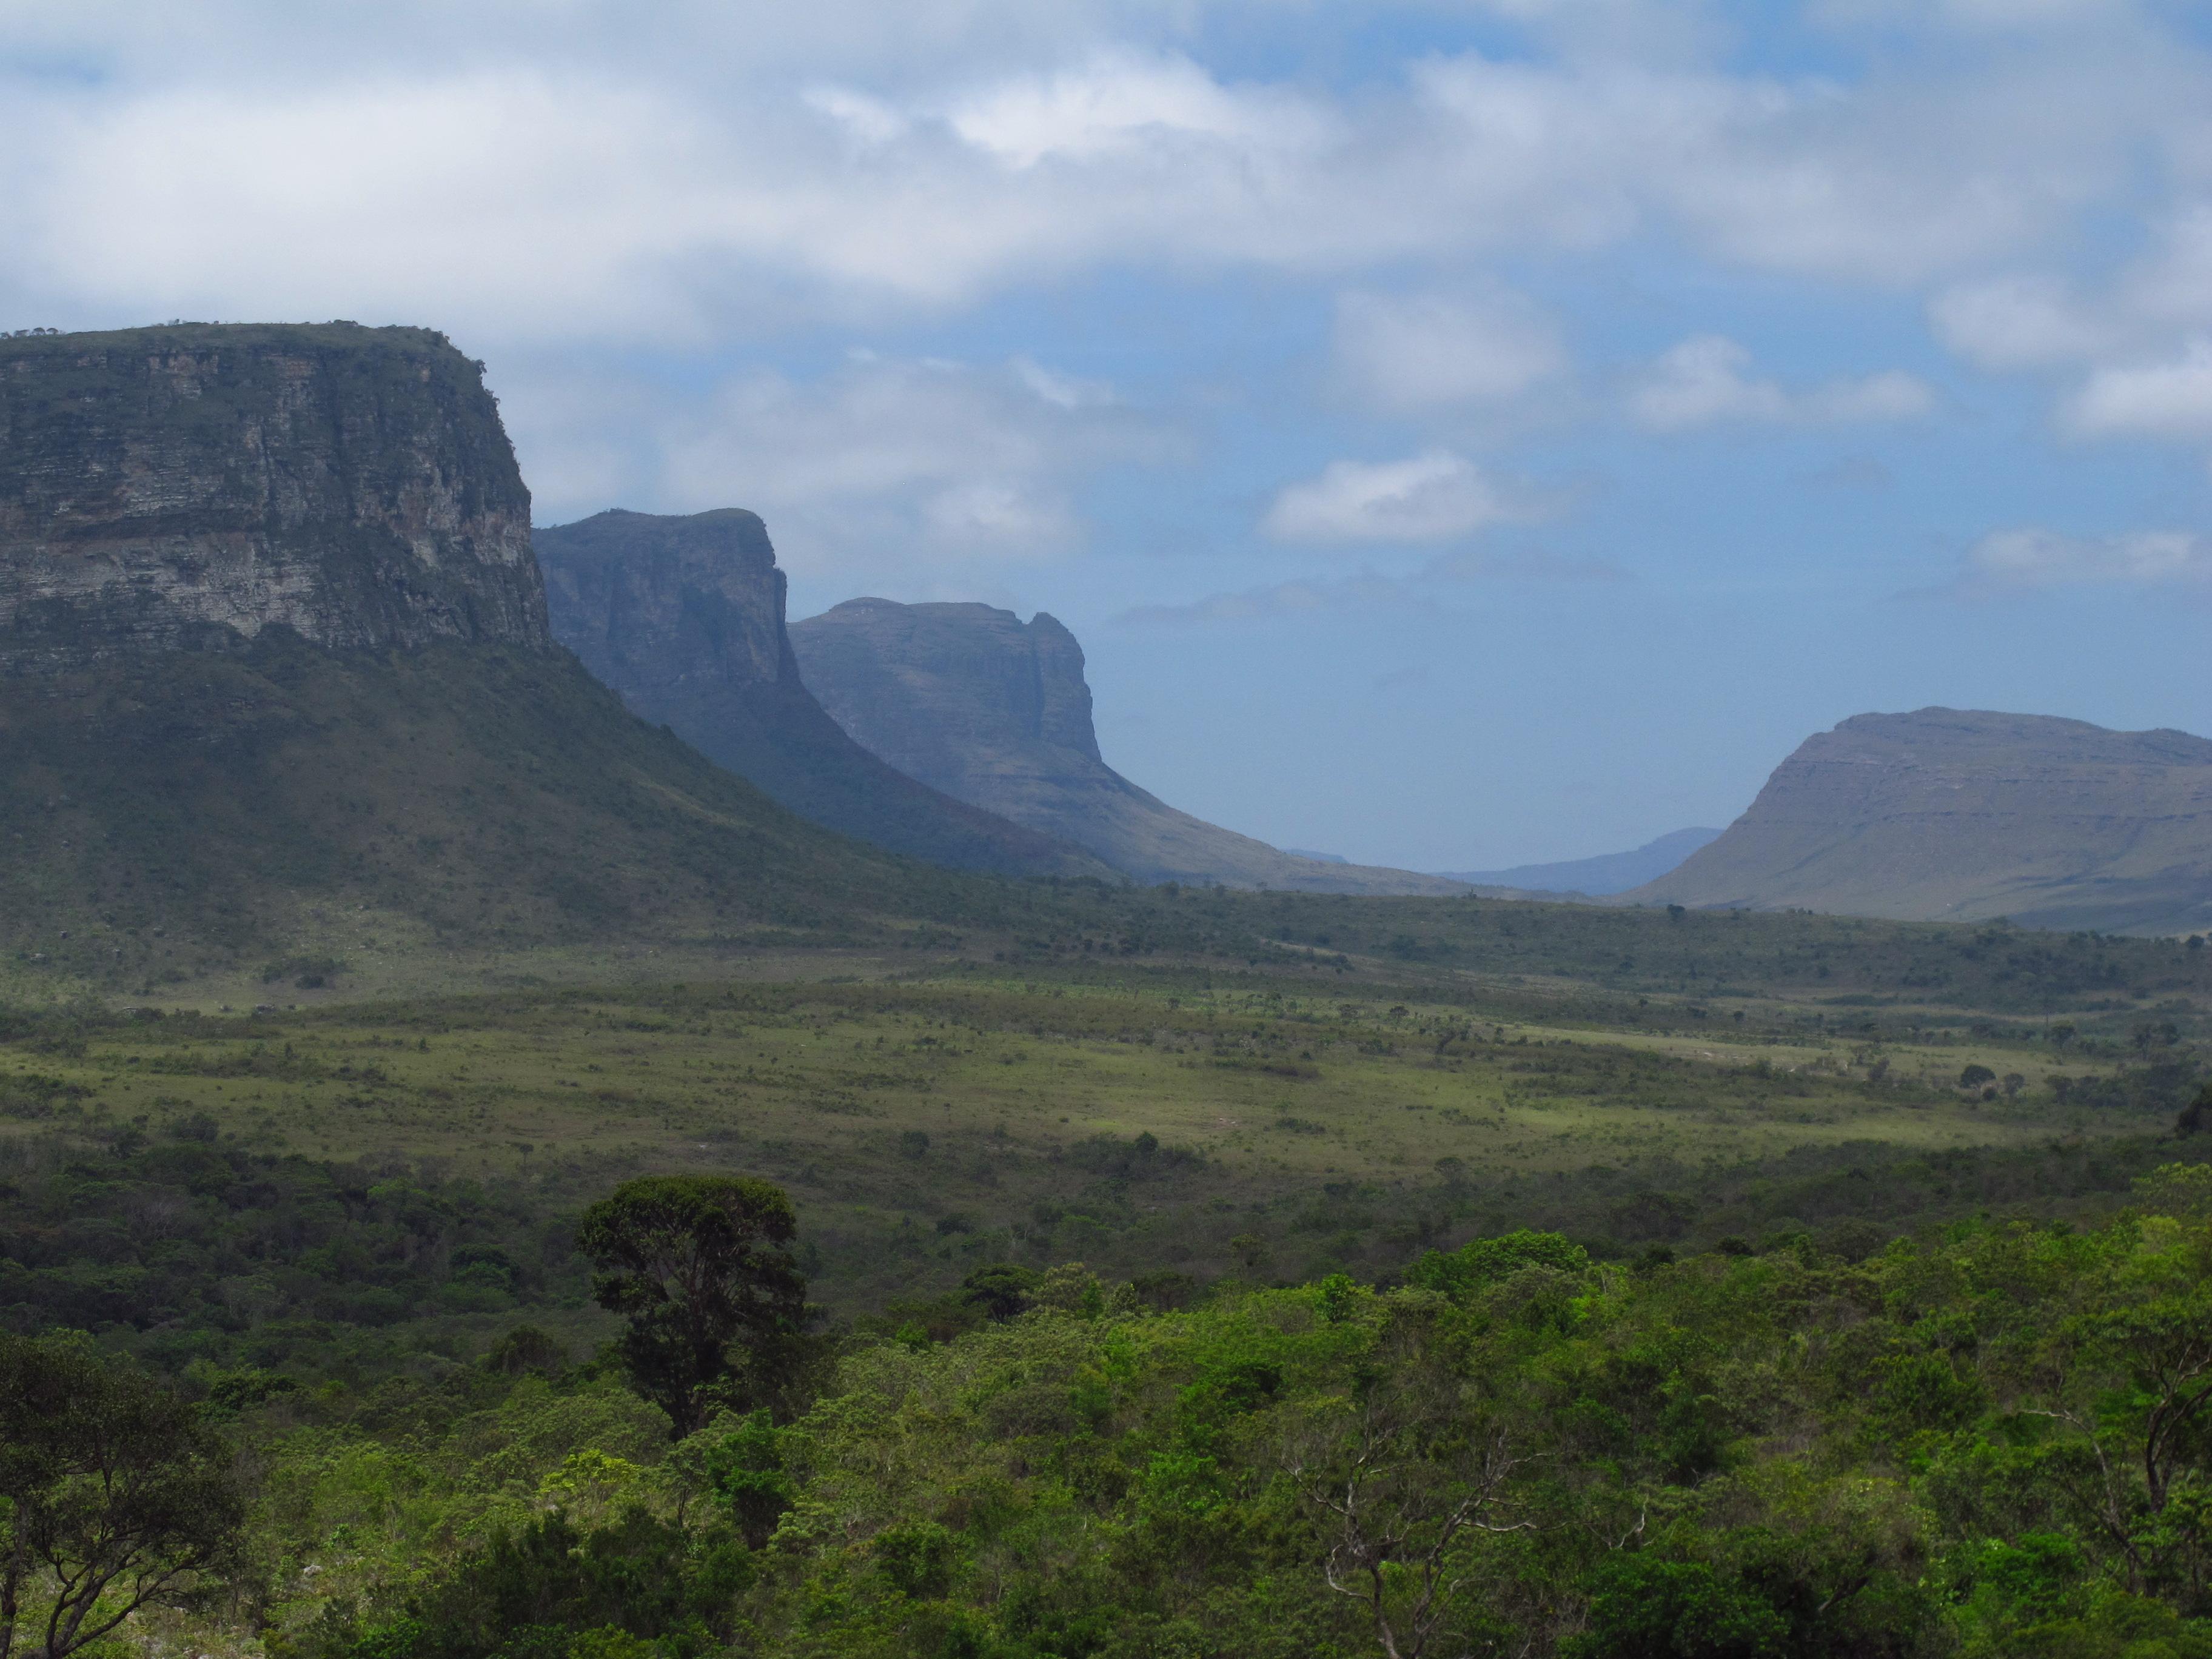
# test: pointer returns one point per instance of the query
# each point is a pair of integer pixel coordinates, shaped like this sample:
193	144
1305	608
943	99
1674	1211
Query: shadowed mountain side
1608	873
996	712
1950	815
181	813
684	617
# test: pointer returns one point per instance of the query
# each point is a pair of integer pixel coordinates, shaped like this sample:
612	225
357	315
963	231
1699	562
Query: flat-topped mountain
996	712
1945	814
278	687
186	488
684	617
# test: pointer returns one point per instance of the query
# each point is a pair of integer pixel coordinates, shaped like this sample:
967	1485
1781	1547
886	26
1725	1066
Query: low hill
1946	814
684	617
1606	873
995	711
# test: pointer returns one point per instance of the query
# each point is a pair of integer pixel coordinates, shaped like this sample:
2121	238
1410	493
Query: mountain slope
1606	873
995	711
1949	814
684	617
276	683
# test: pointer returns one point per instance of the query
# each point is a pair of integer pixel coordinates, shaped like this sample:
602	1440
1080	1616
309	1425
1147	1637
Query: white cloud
1432	496
2011	560
886	466
1120	103
1406	354
1703	382
2018	322
2170	399
531	174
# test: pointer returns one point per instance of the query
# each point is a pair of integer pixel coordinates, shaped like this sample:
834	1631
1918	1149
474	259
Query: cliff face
278	684
996	712
1966	815
684	617
183	489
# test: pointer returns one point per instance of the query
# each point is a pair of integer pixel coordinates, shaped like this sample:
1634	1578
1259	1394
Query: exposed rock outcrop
684	617
1952	815
188	488
996	712
279	688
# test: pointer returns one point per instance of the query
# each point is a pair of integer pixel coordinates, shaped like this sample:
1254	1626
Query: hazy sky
1459	433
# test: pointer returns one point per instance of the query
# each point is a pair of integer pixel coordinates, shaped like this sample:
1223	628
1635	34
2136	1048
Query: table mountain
996	712
684	617
1968	815
188	488
276	685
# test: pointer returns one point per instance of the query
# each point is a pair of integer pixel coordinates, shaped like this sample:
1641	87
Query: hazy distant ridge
1967	815
996	712
1606	873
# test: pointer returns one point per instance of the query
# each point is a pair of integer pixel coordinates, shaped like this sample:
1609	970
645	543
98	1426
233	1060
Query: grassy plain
1278	1123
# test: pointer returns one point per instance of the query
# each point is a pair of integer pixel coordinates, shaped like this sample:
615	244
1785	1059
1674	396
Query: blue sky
1460	433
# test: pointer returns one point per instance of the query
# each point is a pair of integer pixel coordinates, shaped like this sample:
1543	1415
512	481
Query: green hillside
187	814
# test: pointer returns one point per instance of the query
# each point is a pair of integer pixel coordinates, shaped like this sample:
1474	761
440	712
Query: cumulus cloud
1704	381
2171	399
580	177
1410	353
1429	497
885	466
2020	321
2015	561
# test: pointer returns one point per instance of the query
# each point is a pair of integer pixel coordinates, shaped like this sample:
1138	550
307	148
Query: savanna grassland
1732	1278
1282	1120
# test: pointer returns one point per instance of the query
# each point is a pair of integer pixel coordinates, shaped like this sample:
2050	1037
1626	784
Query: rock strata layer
684	617
996	712
184	488
1946	814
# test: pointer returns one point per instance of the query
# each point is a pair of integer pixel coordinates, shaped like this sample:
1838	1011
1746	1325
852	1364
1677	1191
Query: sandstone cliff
279	701
1944	814
996	712
186	488
684	617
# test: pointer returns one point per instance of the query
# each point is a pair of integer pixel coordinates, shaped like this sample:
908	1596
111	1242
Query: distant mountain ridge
996	712
1599	876
683	616
1969	815
276	689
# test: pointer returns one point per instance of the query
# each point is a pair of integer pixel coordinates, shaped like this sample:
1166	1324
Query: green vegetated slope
1981	1443
188	815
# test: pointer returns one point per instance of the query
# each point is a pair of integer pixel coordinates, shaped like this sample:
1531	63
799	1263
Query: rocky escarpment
684	617
996	712
1969	815
281	705
188	488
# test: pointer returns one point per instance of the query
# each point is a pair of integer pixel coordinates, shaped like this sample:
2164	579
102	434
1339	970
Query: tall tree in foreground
717	1309
114	1495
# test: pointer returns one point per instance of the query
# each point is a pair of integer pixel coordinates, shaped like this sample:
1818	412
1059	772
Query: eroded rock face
1967	815
183	489
996	712
684	617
